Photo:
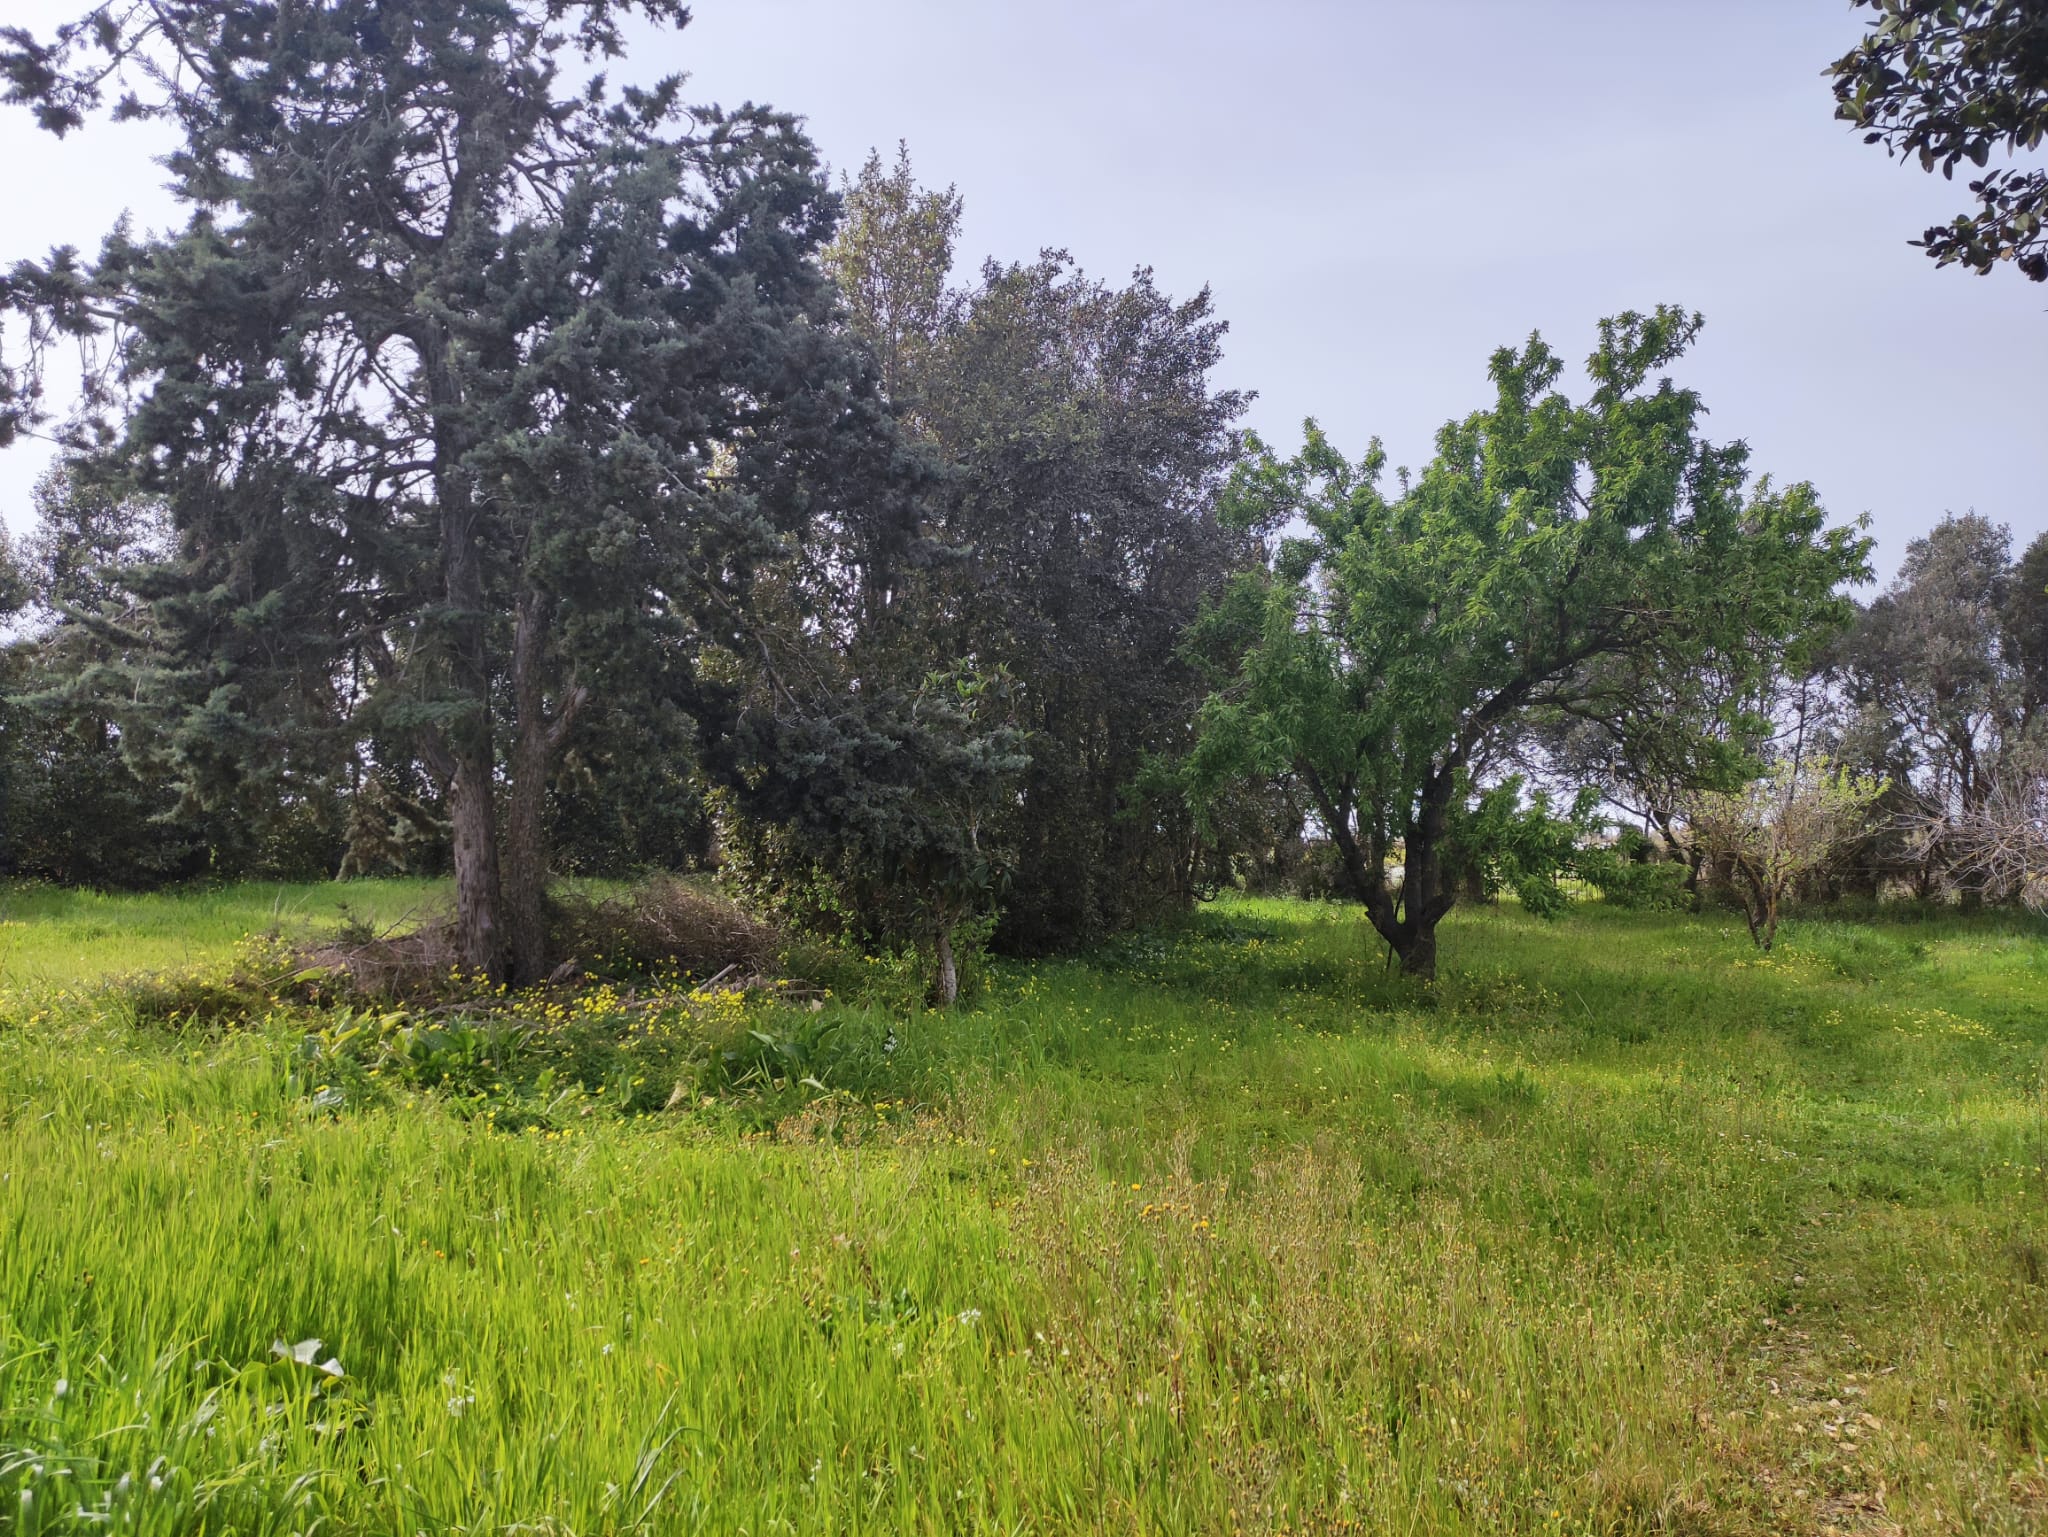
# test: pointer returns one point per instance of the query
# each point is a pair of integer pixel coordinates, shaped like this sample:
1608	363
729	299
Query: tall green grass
1619	1228
50	936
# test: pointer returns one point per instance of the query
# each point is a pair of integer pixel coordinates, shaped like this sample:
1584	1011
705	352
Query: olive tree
1782	827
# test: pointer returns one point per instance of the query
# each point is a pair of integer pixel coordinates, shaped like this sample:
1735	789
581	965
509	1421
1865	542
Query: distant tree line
507	475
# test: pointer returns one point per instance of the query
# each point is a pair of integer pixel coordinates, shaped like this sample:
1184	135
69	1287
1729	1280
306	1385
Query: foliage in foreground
1948	81
1619	1227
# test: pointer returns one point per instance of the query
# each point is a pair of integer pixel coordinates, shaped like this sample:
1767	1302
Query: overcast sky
1379	194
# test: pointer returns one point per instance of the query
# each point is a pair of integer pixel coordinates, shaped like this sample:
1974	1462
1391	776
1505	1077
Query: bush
262	975
897	980
1651	887
1319	875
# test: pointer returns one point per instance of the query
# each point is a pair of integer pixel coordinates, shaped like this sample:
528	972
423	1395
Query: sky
1378	195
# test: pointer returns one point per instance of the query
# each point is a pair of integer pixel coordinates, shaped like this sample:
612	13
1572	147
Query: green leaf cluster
1399	641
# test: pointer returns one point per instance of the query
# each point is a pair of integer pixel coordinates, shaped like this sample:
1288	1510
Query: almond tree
1397	641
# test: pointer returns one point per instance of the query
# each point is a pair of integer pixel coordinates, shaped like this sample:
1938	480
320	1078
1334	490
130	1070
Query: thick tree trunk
526	852
470	744
472	788
472	816
1419	959
946	985
1427	893
1409	924
526	861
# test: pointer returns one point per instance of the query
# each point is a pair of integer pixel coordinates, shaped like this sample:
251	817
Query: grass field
54	937
1618	1228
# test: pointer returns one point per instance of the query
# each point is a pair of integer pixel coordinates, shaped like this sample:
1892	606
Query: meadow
1619	1227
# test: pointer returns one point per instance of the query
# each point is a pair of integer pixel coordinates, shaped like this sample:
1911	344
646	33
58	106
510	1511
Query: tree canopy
472	396
1085	445
502	470
1396	642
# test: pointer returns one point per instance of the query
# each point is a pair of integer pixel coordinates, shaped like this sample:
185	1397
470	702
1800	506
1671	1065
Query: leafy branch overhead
1946	82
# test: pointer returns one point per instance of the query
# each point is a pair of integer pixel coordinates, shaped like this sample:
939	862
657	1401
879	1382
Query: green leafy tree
1090	448
1084	446
87	800
892	258
1395	641
1942	701
490	391
2026	623
1948	81
16	591
880	803
1509	837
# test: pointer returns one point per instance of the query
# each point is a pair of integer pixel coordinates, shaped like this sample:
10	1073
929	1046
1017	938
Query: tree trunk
526	861
946	985
1409	926
1759	904
1426	895
470	743
534	743
1419	959
472	816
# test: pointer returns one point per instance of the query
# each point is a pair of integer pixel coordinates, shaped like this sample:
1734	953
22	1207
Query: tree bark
472	816
526	854
470	742
526	861
1419	959
538	737
472	788
946	985
1408	925
1759	904
1425	894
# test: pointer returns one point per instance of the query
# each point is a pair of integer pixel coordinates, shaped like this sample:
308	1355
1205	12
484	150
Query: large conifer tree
492	392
